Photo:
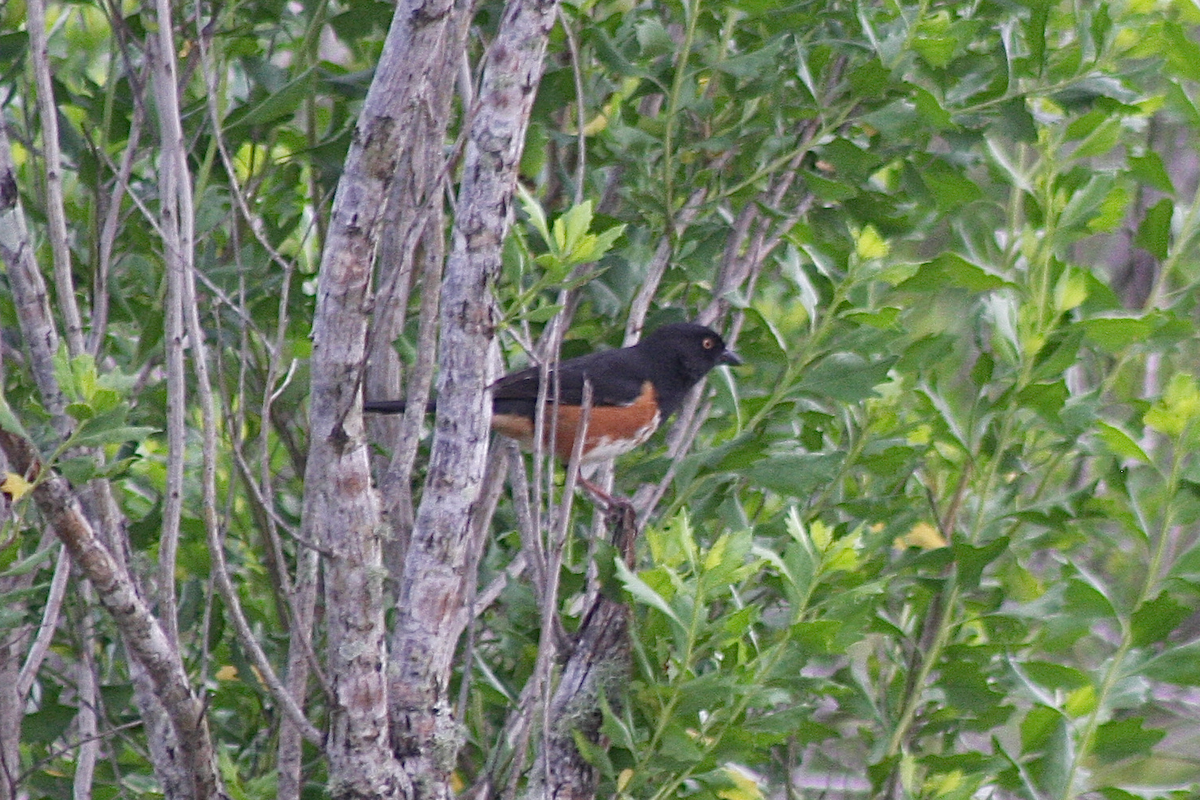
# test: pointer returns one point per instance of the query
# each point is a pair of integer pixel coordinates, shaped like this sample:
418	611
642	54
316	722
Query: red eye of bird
709	344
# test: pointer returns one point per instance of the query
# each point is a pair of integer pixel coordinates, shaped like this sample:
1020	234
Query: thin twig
56	216
47	627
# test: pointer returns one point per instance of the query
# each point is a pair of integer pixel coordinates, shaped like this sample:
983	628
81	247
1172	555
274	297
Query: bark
300	646
56	218
11	713
341	510
596	671
176	225
29	289
444	550
143	636
412	254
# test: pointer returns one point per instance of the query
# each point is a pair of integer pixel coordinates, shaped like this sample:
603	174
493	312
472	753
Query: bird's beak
731	358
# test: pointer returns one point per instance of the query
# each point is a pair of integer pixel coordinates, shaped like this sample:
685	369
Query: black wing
616	375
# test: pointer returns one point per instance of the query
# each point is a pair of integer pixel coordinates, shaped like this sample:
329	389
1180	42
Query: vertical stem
55	212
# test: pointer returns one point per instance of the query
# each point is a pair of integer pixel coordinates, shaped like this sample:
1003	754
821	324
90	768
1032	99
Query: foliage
937	539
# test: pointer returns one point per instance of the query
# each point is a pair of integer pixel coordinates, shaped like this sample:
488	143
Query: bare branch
596	671
177	221
143	636
45	634
64	282
29	290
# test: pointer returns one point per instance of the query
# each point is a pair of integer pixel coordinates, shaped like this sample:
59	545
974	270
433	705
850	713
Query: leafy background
937	539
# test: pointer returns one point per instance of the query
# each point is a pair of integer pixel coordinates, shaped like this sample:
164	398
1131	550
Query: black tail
392	406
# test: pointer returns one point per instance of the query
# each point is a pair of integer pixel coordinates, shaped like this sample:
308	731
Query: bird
634	389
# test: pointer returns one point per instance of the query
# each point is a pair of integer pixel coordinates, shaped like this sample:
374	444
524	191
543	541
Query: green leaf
104	430
30	563
754	63
8	420
1149	170
1120	739
1178	407
950	269
640	591
725	562
1120	443
13	47
1055	676
1155	619
1083	599
789	723
1154	234
1035	32
654	39
1182	52
949	187
797	475
972	560
967	688
847	377
278	104
678	747
1085	202
1114	334
1047	399
1101	140
533	210
1179	665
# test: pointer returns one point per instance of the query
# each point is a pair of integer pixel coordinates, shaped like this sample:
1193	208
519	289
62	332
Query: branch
55	213
29	290
596	671
444	549
142	635
341	509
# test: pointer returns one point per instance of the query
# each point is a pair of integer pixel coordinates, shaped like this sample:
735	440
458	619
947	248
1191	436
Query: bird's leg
614	505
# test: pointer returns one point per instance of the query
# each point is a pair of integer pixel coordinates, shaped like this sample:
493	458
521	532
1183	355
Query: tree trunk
341	508
597	670
443	552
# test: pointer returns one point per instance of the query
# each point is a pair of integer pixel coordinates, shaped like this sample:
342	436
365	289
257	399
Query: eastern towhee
633	390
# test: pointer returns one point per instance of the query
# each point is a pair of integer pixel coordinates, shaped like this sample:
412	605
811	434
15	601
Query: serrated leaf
847	377
967	688
972	560
1123	738
1155	619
